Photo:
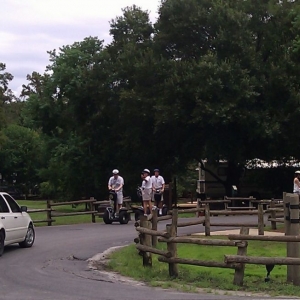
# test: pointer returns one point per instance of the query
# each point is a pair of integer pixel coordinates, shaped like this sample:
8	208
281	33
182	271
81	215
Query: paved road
56	268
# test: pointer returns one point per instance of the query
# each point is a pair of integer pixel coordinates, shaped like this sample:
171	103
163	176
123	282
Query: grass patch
66	220
128	263
187	215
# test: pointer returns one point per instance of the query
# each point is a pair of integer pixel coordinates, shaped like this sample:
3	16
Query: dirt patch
99	263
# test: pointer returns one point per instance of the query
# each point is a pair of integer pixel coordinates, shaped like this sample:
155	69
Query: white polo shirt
116	183
147	183
157	181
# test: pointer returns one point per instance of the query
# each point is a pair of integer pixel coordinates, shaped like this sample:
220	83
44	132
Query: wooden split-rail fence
93	208
148	236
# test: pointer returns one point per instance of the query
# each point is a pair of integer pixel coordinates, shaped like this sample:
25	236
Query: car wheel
106	218
124	217
1	243
29	238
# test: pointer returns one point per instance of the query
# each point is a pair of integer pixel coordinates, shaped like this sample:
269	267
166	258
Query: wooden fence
93	208
147	245
259	212
144	243
205	213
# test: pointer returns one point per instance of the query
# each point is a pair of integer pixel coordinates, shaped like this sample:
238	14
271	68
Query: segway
138	210
110	215
157	199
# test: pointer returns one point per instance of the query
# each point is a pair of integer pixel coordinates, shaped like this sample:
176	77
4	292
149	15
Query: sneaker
154	208
145	215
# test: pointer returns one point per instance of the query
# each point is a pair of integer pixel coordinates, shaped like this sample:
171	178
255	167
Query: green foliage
21	156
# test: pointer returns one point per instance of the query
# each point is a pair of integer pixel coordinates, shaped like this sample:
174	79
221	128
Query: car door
7	220
20	220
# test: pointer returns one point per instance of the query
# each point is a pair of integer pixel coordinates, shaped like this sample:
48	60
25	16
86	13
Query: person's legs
150	206
145	207
119	202
159	203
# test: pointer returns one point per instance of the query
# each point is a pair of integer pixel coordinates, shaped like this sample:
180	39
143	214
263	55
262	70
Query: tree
21	156
231	86
6	94
210	79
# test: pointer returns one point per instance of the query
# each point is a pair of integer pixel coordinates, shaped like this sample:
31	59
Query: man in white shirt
146	191
116	183
158	186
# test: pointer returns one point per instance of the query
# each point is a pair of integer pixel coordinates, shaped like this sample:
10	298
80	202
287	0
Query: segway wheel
138	215
124	217
106	218
164	211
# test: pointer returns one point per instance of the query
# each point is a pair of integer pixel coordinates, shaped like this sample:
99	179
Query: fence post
294	230
207	220
49	213
273	216
172	247
147	241
154	226
170	195
289	250
261	223
239	273
92	208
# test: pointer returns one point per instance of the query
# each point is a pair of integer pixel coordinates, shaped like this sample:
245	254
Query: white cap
115	171
297	172
147	171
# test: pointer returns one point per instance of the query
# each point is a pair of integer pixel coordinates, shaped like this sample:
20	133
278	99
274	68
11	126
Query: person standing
116	183
158	186
296	189
146	191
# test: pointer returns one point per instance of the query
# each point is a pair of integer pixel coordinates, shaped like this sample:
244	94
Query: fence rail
92	208
148	237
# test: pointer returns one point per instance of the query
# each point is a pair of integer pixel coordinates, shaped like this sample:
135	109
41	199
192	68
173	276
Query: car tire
29	238
1	243
106	218
124	217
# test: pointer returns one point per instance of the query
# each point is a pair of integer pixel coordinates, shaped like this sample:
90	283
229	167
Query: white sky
30	28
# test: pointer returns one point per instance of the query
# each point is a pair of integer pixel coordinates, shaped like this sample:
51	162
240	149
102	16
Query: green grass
128	263
66	220
187	215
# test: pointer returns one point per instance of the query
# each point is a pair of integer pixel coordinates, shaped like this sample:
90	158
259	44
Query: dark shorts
157	198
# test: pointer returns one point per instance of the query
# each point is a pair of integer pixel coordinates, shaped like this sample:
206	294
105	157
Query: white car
16	225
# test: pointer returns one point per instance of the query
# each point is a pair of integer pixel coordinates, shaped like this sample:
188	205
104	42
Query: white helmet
146	171
115	171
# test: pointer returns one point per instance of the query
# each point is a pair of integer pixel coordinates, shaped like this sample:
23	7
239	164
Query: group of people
150	185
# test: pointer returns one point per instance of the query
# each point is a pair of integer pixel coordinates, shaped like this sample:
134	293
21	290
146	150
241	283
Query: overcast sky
30	28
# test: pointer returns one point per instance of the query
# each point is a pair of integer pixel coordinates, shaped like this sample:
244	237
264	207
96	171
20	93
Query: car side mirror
23	208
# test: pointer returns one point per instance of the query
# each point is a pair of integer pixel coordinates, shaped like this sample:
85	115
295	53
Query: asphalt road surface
56	267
